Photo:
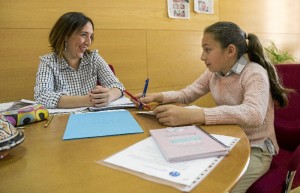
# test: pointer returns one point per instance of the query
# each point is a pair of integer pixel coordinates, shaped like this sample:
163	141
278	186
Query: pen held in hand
49	120
144	92
136	99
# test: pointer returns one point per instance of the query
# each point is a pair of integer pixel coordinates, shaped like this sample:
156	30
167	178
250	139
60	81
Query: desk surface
45	163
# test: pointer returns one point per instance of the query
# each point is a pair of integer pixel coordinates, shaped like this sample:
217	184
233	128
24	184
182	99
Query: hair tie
246	35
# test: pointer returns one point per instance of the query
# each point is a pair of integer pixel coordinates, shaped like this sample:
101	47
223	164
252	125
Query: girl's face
79	42
216	59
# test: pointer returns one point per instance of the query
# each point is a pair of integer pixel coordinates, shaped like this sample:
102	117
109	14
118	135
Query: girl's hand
151	97
172	115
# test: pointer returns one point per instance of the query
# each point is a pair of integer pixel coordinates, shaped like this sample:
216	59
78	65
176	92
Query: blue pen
144	92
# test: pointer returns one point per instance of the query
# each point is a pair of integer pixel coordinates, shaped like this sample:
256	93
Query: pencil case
27	114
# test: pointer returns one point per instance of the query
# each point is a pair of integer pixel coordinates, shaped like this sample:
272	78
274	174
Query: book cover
187	143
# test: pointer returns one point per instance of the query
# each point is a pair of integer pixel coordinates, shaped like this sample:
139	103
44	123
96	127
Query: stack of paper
145	160
120	103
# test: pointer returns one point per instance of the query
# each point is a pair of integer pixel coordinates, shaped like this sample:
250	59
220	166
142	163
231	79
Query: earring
66	44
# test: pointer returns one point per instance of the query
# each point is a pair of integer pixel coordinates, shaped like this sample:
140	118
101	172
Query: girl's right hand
151	97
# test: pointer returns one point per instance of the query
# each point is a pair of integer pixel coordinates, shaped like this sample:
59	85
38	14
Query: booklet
187	143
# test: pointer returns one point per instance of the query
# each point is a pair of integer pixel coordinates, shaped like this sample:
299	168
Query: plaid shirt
56	78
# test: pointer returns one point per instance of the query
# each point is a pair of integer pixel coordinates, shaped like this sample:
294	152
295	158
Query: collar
64	65
237	67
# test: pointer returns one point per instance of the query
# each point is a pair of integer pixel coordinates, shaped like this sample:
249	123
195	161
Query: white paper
15	105
145	157
179	9
204	6
152	113
67	111
145	112
122	102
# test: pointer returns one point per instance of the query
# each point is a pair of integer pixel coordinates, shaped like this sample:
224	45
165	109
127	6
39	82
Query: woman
244	91
67	78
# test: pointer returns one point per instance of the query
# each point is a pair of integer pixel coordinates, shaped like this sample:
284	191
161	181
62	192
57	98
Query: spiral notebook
187	143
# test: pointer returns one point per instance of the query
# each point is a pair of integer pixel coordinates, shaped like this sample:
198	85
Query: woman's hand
101	96
172	115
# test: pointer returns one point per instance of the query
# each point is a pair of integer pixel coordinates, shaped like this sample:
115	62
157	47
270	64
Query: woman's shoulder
93	53
49	58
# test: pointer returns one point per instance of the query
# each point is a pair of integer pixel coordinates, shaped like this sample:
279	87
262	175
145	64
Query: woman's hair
66	25
227	33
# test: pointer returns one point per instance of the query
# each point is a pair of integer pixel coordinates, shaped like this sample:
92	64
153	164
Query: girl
244	90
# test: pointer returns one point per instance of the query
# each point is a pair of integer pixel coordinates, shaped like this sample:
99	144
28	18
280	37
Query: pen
136	99
49	120
144	92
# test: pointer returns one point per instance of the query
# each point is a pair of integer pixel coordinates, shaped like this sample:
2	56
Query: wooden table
44	163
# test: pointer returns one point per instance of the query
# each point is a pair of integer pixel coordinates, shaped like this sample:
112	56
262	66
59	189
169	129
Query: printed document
145	160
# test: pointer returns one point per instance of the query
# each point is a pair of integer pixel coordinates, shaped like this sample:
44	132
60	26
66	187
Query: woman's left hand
100	96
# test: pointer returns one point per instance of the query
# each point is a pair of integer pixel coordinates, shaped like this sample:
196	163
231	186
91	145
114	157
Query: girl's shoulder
254	71
253	67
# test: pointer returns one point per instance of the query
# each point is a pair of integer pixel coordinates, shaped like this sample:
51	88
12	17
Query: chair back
287	119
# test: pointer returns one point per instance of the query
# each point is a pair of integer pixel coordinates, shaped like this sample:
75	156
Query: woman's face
215	58
79	42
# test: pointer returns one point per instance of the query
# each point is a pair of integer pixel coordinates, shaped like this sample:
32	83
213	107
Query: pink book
187	143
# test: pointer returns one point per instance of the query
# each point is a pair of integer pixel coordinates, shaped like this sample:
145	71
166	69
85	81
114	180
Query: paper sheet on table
15	105
152	113
120	103
145	160
101	123
66	111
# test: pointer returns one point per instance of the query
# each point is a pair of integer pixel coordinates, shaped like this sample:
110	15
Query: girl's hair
66	25
227	33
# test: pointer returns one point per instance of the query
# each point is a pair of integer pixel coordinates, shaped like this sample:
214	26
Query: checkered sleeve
44	88
104	74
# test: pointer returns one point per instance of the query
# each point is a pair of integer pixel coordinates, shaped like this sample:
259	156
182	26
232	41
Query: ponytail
256	54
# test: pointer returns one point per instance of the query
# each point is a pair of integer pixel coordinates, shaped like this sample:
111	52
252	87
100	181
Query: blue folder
102	123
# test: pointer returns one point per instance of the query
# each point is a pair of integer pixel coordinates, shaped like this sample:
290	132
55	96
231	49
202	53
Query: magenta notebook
187	143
